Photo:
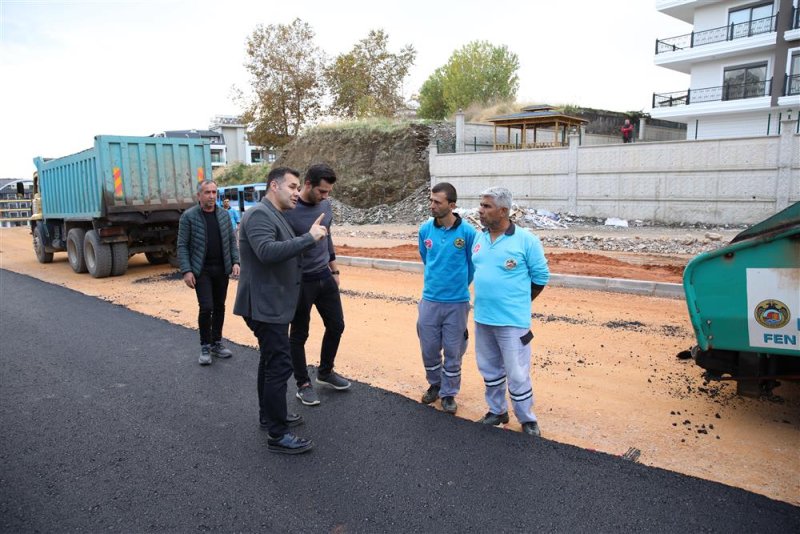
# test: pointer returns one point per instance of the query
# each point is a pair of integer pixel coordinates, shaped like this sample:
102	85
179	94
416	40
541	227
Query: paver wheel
119	259
75	249
97	255
38	246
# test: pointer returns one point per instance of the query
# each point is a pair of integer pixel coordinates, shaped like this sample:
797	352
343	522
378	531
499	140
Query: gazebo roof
539	115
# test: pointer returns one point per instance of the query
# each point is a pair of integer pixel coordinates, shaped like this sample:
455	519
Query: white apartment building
743	57
228	140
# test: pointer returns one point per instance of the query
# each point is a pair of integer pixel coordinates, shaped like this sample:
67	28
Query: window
745	82
793	80
750	21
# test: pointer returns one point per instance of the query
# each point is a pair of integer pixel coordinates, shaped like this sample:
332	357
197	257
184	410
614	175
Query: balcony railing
717	35
731	91
792	86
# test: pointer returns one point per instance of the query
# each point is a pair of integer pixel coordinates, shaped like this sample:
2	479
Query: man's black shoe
449	404
289	444
292	419
431	395
494	419
532	429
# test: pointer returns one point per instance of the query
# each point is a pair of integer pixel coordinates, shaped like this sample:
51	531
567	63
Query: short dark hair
321	171
448	190
277	174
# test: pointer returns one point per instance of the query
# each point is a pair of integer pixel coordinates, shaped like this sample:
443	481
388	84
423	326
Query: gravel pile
556	230
689	245
411	210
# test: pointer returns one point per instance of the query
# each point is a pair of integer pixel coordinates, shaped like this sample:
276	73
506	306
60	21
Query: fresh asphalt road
108	423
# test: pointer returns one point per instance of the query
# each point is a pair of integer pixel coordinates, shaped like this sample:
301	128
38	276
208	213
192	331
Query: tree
367	81
431	97
479	72
286	76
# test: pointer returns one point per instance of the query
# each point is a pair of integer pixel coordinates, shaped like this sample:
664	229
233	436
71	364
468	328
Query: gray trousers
442	332
503	358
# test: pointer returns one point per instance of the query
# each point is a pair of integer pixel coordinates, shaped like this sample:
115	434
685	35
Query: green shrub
239	173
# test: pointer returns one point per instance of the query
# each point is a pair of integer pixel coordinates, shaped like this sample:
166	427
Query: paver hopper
744	304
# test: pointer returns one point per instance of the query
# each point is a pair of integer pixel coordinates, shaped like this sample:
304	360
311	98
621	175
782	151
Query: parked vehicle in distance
744	304
122	197
242	196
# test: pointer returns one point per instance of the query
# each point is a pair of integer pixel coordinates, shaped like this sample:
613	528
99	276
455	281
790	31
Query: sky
73	69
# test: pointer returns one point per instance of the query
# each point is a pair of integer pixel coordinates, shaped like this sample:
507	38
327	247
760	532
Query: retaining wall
720	181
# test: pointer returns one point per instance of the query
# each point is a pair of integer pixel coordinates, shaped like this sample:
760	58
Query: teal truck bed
125	194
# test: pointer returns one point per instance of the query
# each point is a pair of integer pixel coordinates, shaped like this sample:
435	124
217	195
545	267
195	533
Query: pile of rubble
411	210
579	233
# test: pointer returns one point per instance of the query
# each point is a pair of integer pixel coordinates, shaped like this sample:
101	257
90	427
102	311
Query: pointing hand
318	231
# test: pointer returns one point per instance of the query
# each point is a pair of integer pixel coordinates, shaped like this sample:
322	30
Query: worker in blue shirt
445	246
234	214
510	272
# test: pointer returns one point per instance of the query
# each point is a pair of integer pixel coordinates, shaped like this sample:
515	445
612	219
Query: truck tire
156	258
172	258
38	246
119	259
97	255
75	250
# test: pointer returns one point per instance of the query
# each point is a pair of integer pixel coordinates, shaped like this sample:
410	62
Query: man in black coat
269	288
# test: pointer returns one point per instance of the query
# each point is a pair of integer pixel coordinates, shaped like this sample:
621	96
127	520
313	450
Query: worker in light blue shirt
234	214
445	246
510	271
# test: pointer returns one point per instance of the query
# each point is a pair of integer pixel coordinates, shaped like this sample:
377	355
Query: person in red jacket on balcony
627	131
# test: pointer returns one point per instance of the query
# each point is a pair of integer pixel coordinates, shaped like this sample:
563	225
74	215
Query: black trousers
324	294
274	370
211	288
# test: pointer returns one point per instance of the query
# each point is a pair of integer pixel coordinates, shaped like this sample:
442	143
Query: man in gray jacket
269	288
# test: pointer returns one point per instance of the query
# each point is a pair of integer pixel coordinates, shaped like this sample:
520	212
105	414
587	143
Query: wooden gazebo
538	119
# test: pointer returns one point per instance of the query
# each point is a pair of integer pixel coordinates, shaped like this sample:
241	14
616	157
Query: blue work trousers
443	335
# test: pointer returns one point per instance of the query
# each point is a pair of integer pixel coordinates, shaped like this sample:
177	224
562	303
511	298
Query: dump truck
124	196
744	305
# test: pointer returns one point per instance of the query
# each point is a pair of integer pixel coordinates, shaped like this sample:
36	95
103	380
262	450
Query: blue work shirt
504	272
235	217
446	253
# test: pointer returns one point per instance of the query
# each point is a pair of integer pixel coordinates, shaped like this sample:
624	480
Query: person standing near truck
233	212
445	246
208	255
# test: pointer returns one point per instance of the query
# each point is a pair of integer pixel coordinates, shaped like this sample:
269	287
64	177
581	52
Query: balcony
792	85
730	32
731	91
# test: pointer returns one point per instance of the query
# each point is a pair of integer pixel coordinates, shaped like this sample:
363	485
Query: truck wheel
156	258
97	255
38	246
75	249
119	259
172	258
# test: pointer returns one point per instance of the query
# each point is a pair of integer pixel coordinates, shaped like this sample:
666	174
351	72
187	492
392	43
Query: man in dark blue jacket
208	256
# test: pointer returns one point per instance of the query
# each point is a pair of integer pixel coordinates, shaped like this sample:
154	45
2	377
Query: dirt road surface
604	367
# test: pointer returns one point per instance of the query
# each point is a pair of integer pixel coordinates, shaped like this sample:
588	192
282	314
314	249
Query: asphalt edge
591	283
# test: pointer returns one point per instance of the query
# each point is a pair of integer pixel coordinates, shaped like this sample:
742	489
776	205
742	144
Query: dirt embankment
604	369
374	164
